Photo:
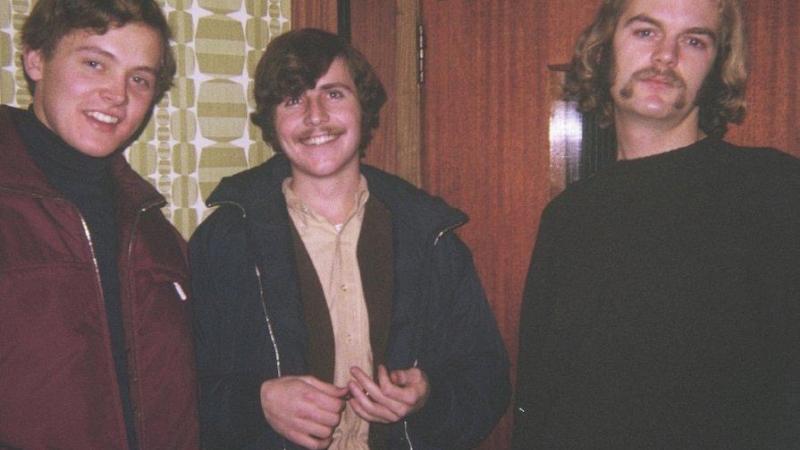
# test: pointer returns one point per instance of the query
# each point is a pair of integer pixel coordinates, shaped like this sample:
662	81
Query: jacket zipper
99	285
446	230
138	414
268	322
262	296
439	235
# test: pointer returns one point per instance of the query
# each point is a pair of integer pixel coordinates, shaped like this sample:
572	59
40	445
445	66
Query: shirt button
344	288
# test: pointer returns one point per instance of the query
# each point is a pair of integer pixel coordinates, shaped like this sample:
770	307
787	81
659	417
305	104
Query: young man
95	346
336	308
662	304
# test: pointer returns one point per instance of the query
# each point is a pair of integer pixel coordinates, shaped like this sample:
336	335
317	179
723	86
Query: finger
324	387
317	415
398	377
396	386
386	397
324	396
368	387
363	413
369	408
307	441
315	429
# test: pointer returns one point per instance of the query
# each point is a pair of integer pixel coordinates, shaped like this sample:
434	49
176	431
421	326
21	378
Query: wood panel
485	127
315	14
369	21
773	92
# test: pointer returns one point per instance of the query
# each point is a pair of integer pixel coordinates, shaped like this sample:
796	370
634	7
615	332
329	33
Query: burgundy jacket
58	387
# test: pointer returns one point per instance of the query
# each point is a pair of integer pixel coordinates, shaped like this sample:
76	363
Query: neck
333	199
641	138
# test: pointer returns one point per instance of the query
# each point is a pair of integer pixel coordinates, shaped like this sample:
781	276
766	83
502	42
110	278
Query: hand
303	409
396	395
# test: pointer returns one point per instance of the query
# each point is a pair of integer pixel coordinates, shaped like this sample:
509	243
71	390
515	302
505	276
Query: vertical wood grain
372	25
315	14
485	127
773	91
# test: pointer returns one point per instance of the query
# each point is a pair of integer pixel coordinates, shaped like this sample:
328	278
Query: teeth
105	118
319	140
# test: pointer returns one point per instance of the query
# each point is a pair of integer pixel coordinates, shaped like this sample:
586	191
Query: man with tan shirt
335	307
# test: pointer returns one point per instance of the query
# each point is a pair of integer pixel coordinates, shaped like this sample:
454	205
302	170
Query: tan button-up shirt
332	248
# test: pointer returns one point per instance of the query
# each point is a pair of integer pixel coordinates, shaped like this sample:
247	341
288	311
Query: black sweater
662	306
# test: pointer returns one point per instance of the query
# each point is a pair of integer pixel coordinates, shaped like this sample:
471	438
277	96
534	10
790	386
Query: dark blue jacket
249	321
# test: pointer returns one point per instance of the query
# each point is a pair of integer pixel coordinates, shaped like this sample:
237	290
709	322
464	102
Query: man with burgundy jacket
95	348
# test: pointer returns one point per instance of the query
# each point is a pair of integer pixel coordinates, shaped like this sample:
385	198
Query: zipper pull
179	290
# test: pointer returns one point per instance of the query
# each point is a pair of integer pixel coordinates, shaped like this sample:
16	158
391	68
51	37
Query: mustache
667	75
315	131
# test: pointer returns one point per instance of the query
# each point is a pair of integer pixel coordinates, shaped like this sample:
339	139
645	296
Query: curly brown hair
721	99
292	64
51	20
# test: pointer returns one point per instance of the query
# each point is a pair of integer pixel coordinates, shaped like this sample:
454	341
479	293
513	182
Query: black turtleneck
87	182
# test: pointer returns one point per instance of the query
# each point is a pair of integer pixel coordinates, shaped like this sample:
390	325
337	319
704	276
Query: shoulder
224	223
766	160
251	185
411	206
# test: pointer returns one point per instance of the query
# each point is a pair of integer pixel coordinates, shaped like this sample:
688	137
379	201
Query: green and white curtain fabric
200	132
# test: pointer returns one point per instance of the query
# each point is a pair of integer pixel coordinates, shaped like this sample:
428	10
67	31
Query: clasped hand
306	410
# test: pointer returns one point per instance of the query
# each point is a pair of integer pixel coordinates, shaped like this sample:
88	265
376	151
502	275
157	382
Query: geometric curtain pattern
200	132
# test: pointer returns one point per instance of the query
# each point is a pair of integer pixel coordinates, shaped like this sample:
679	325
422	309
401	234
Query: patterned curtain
200	132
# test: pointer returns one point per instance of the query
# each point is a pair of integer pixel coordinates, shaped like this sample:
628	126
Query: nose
116	90
666	53
316	111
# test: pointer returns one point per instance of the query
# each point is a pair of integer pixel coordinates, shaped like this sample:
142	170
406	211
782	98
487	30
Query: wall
200	132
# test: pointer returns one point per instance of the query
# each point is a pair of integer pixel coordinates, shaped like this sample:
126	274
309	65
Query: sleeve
226	330
537	304
463	356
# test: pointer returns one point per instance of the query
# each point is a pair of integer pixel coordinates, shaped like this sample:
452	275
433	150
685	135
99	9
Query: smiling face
95	90
320	130
663	51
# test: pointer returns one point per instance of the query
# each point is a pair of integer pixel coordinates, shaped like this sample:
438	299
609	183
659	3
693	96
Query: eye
291	101
644	33
92	63
696	42
336	93
141	81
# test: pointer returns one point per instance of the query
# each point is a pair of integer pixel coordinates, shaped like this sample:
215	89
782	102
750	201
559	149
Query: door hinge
420	54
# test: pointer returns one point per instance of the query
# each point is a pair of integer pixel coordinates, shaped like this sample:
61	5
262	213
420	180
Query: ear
34	62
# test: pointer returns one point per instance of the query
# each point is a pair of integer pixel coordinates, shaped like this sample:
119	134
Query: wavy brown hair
51	20
292	64
721	99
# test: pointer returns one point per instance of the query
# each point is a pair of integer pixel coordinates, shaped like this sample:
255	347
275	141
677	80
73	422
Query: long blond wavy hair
721	99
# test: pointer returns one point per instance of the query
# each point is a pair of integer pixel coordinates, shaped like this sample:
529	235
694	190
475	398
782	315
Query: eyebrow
335	85
694	30
109	55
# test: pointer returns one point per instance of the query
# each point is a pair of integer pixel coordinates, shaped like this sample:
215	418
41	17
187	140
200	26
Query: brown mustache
314	131
667	75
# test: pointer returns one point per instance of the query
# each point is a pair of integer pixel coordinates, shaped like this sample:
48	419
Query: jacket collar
18	171
258	191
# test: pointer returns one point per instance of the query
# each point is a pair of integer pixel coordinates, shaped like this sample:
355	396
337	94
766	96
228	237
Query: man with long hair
95	341
662	304
335	307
